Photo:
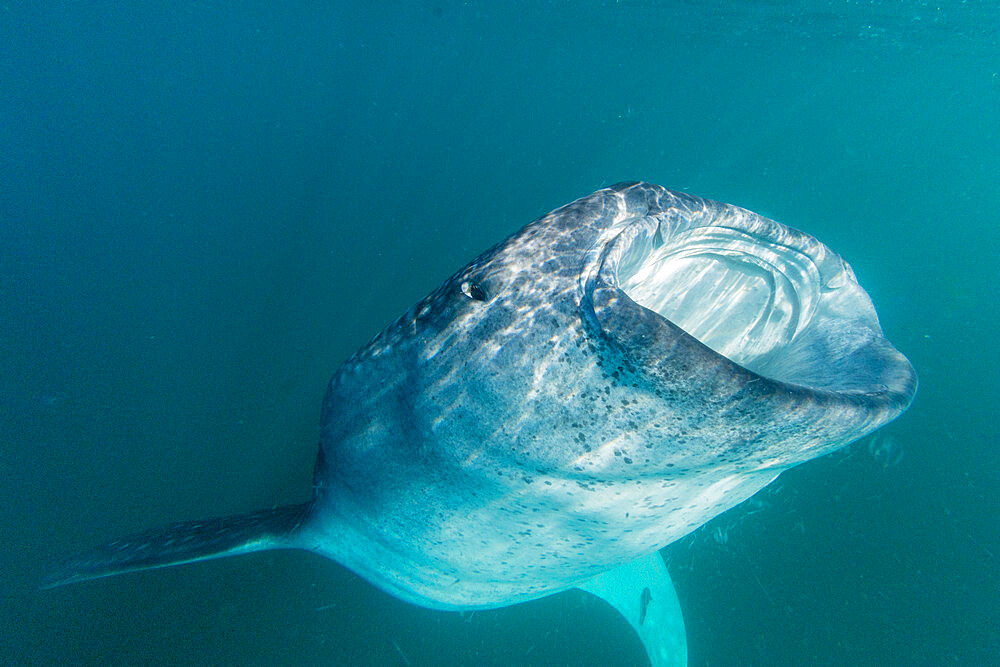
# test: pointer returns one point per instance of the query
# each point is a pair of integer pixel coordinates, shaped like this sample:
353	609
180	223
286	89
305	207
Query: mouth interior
746	297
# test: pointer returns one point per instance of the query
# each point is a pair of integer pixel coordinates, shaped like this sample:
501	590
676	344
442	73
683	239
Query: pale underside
588	391
580	483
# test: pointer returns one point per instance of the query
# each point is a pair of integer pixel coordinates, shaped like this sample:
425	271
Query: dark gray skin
528	425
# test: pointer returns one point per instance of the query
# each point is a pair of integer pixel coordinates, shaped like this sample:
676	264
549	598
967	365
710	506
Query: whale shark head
591	389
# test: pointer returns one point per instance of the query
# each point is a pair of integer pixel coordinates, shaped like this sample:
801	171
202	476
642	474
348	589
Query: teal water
205	207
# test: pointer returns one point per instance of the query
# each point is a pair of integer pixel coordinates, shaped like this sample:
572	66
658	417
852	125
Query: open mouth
769	298
744	297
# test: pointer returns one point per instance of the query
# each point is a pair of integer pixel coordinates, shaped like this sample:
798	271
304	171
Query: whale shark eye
474	291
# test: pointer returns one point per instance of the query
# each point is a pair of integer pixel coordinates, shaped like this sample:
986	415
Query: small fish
644	601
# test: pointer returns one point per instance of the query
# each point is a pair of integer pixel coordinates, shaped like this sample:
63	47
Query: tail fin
185	543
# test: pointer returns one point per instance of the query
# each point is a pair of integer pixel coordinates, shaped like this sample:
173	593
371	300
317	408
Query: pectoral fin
642	592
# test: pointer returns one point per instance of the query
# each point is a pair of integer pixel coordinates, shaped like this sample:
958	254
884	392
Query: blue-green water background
205	207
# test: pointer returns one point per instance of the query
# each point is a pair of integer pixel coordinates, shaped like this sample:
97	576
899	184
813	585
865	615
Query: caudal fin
184	543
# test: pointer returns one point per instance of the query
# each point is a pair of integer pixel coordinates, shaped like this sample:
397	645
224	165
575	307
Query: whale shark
584	393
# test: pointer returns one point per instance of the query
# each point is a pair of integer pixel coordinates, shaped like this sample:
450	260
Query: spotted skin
528	426
483	451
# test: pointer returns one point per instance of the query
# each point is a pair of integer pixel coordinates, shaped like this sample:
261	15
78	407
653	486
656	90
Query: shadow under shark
579	396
